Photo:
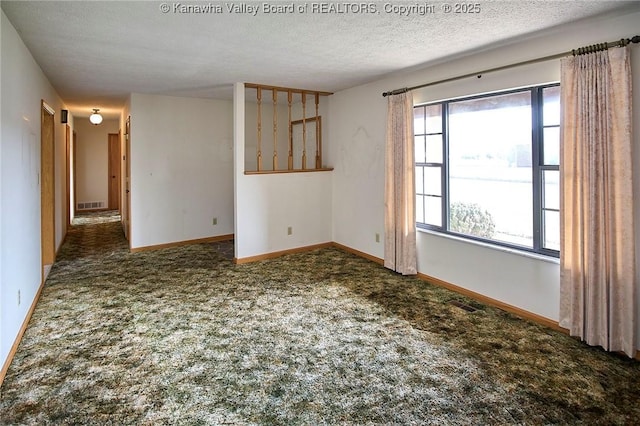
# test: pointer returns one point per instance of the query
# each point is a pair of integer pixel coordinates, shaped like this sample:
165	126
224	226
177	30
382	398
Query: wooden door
114	171
47	185
67	208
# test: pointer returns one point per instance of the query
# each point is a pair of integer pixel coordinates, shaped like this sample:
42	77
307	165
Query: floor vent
464	306
91	205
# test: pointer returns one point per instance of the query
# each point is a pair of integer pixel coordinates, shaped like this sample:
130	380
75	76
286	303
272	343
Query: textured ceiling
96	53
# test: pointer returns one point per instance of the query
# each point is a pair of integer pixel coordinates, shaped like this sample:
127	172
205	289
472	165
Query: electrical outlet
377	237
289	230
215	220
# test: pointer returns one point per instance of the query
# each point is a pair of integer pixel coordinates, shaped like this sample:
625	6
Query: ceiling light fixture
95	118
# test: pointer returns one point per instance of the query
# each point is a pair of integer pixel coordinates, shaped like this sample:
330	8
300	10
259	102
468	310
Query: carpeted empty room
185	336
270	212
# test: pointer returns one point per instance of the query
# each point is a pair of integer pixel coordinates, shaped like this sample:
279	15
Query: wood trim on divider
285	89
270	172
226	237
18	339
279	253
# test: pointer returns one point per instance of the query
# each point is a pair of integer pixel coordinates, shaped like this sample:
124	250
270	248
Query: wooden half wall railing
316	120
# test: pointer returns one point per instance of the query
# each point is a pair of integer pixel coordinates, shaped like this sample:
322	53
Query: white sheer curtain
597	254
400	194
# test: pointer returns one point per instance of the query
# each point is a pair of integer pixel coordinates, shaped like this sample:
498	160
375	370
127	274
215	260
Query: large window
487	168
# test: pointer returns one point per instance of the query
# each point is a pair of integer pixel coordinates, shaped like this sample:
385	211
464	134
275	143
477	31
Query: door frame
47	185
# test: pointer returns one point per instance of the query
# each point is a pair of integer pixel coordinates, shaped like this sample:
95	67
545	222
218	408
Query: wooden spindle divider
318	129
275	128
318	157
304	131
259	159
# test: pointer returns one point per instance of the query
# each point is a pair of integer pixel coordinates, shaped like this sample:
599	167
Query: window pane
434	149
551	106
551	187
490	183
434	118
551	143
433	211
420	208
420	154
433	181
418	120
489	163
551	225
419	180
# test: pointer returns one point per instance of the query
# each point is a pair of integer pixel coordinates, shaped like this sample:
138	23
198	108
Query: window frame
538	168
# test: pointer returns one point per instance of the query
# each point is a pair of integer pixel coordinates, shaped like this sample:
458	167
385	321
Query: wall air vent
91	205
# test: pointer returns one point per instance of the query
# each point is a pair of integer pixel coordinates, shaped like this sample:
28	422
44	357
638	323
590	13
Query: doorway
114	171
47	187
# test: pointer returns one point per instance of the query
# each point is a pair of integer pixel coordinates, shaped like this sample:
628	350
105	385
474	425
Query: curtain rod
581	51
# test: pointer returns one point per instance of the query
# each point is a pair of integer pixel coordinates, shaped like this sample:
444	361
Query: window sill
510	250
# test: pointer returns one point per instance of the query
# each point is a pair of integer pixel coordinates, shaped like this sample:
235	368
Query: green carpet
184	336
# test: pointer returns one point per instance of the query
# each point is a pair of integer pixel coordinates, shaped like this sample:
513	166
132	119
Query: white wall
23	87
181	169
267	205
92	162
356	150
357	135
